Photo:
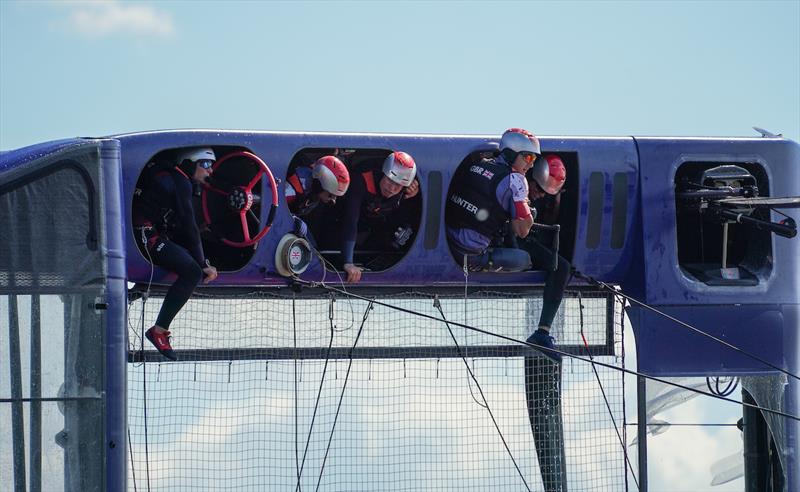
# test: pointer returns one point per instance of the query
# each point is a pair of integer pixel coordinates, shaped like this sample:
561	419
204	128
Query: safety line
145	296
319	394
556	351
682	323
341	395
296	423
438	305
669	424
603	391
133	463
144	400
466	338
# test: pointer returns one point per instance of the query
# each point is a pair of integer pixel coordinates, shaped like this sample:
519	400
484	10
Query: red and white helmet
331	174
400	168
520	140
549	173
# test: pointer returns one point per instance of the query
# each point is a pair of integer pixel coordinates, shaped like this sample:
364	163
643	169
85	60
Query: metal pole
641	398
724	245
17	420
756	448
36	392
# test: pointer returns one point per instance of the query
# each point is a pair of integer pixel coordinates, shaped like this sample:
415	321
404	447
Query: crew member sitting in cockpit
164	223
484	197
373	211
313	188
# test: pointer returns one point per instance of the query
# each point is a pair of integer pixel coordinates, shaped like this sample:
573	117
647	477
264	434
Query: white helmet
195	154
400	168
331	174
519	140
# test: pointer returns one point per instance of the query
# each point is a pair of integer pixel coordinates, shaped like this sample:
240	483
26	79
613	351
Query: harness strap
369	180
296	185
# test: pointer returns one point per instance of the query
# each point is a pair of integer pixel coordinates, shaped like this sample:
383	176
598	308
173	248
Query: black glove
401	236
299	228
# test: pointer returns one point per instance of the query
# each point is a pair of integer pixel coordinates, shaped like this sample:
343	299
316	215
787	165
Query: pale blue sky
570	68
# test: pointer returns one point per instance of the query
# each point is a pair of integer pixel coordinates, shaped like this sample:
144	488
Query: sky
73	68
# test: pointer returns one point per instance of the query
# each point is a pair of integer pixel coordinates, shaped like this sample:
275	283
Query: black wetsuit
164	221
366	213
542	258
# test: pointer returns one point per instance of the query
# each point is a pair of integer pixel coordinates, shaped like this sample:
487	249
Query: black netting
237	411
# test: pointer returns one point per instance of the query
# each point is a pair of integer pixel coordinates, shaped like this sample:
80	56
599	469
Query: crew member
487	195
164	223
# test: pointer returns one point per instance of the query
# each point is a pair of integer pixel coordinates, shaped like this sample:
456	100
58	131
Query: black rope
145	296
669	424
438	305
319	394
296	424
682	323
603	391
542	348
133	463
465	268
341	395
144	397
729	388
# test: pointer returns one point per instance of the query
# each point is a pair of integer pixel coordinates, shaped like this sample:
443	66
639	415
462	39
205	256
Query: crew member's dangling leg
177	259
543	398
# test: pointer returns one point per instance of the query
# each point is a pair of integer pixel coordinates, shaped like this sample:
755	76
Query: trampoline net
276	393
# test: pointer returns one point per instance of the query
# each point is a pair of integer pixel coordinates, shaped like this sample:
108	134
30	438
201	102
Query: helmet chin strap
316	187
508	155
188	167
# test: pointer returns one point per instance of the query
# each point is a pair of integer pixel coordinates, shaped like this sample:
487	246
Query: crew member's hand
412	189
353	273
209	274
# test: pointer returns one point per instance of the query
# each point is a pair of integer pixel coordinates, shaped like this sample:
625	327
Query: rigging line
296	425
341	282
132	328
778	211
133	463
144	397
541	348
145	296
670	424
438	305
319	394
682	323
621	328
603	391
466	338
344	387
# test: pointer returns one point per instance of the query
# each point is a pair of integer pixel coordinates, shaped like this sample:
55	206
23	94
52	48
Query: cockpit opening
555	214
719	242
229	208
371	221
